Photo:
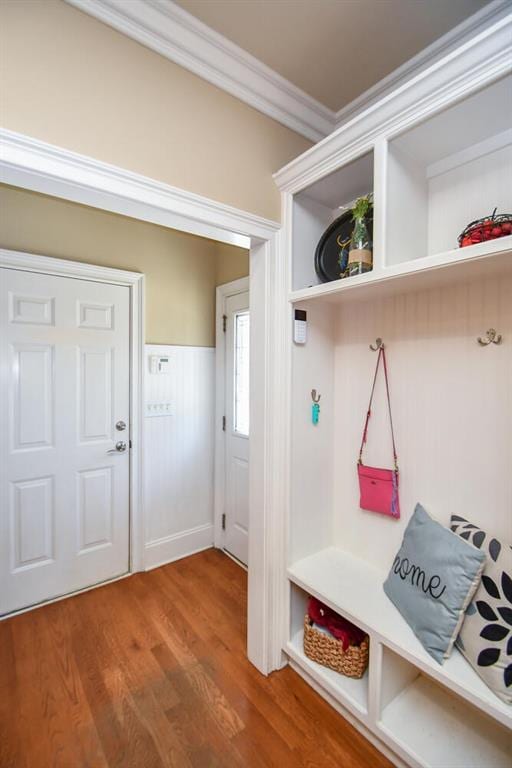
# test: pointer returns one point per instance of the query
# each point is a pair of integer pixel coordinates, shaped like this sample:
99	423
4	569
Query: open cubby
350	692
446	171
432	726
317	206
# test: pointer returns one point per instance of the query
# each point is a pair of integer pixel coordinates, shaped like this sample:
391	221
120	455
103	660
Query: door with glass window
236	521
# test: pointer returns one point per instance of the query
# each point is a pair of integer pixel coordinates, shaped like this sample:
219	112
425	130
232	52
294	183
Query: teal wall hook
315	408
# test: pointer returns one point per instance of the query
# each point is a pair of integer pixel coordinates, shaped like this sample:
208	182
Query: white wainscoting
178	453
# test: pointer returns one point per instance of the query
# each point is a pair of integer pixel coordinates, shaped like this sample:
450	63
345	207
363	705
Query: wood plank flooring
151	671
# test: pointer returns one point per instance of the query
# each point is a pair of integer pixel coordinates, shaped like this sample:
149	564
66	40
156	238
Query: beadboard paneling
462	194
311	453
178	455
452	408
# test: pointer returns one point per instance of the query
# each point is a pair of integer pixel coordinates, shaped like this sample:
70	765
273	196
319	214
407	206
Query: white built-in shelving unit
436	155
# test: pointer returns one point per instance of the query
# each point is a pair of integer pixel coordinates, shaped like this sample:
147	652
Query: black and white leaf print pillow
485	638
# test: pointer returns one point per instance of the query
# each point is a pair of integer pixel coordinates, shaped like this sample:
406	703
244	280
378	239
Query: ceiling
333	50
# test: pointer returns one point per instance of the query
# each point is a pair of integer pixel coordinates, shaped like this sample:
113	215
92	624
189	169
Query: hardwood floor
151	671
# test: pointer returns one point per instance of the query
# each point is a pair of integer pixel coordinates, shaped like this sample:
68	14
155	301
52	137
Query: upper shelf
429	180
354	588
480	260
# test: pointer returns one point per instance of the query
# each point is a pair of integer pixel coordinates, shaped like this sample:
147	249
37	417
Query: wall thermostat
300	326
158	364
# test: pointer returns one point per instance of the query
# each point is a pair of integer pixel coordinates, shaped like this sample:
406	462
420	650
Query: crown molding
440	48
481	60
172	32
32	164
168	29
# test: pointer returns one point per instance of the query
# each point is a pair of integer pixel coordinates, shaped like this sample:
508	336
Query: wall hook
315	408
379	344
492	338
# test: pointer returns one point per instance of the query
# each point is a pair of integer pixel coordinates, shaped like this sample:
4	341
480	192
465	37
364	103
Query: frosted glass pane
242	373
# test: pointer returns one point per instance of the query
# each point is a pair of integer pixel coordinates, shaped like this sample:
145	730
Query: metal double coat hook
379	344
492	337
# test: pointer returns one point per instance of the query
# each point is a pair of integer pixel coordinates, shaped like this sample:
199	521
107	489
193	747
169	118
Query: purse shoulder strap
382	354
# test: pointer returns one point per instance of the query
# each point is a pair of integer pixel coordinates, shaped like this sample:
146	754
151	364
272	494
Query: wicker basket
328	651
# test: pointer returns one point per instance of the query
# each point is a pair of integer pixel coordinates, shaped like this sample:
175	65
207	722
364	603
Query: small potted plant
360	258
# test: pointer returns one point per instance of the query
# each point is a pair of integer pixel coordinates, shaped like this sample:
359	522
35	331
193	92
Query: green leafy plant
362	207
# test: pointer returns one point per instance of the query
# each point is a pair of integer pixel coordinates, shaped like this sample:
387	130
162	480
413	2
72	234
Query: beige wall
70	80
231	263
181	270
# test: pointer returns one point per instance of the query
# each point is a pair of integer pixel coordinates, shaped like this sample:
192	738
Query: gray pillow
432	581
485	638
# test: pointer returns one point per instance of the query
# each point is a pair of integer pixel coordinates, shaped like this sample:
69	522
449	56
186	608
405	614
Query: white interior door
236	519
64	488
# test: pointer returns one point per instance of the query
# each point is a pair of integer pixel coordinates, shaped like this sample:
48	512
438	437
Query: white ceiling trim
482	60
169	30
426	58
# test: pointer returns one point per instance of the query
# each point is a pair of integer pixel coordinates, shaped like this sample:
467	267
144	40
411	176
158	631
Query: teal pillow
432	581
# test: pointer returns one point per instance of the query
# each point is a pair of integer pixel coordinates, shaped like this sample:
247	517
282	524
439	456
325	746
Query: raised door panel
32	516
95	508
95	394
240	480
36	310
97	316
34	395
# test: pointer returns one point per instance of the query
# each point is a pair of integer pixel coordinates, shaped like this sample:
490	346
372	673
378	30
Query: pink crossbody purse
378	488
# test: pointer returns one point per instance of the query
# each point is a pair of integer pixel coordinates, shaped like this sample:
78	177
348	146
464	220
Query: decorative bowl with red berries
488	228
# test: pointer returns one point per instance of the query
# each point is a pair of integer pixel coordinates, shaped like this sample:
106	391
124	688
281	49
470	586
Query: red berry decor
486	229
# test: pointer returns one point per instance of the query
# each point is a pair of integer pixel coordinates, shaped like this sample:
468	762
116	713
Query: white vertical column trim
280	457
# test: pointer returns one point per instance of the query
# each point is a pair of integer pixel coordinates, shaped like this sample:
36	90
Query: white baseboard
169	548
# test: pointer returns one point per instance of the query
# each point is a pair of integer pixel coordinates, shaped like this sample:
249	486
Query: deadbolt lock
120	426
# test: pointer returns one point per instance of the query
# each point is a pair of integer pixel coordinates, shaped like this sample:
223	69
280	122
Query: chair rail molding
31	164
168	29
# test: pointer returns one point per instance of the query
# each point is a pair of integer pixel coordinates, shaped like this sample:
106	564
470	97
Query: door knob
120	447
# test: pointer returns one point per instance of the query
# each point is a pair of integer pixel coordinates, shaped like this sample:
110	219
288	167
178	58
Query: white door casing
236	502
32	164
64	501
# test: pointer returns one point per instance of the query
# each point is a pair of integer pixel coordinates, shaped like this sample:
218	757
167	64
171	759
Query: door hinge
224	322
223	423
224	521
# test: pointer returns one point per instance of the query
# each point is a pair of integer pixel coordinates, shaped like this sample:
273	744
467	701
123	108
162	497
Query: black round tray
327	254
